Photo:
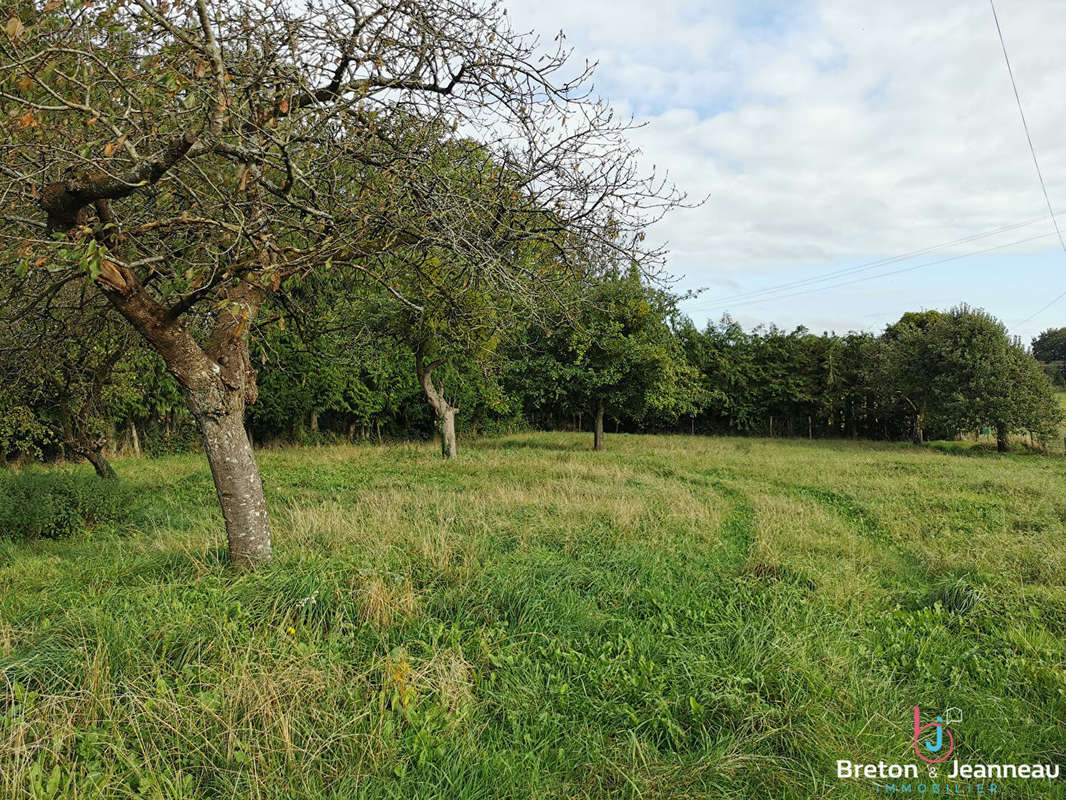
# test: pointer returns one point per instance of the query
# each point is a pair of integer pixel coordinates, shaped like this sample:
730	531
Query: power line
887	274
1032	150
1041	310
828	276
808	285
1025	125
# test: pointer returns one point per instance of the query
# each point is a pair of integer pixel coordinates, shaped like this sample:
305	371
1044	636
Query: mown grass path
674	618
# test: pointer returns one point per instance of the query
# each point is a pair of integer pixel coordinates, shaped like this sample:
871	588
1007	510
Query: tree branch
64	201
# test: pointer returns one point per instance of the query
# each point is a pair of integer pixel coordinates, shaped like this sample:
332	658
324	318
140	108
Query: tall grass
674	618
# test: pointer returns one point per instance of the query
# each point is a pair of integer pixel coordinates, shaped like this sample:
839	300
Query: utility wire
1042	309
869	265
773	292
1032	150
804	284
1025	126
893	272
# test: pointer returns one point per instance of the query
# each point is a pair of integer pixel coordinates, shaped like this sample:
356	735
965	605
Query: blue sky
831	134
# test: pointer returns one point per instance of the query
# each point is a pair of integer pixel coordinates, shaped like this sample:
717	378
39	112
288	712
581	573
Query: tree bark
597	434
444	411
1002	437
79	443
218	381
135	439
237	481
447	430
918	432
100	464
217	376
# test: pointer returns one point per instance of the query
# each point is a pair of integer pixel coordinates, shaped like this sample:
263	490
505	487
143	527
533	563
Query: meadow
676	617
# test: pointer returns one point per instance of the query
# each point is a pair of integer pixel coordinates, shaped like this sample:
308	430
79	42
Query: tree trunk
447	431
82	445
218	381
597	435
444	411
917	432
135	439
100	464
236	475
216	377
314	422
1002	437
377	424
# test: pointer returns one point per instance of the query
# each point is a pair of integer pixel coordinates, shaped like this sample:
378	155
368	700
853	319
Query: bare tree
195	156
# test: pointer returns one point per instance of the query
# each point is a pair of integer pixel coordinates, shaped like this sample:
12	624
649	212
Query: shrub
56	504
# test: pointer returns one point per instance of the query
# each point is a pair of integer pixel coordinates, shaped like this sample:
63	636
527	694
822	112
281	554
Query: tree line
626	360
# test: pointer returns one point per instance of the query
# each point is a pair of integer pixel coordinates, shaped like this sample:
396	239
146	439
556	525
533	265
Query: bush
57	504
1055	371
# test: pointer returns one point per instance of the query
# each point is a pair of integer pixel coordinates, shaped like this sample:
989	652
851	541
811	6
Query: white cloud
836	131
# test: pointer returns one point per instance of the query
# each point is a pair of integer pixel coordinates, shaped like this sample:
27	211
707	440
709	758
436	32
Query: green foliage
962	370
627	354
1055	372
931	374
59	503
1050	345
618	351
346	369
1049	348
791	383
22	430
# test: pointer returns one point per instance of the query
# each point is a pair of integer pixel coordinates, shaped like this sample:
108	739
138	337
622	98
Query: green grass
674	618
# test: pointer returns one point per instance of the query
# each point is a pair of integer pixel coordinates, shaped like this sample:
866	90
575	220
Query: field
674	618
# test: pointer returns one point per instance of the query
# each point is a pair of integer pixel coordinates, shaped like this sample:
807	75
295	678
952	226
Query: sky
831	135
